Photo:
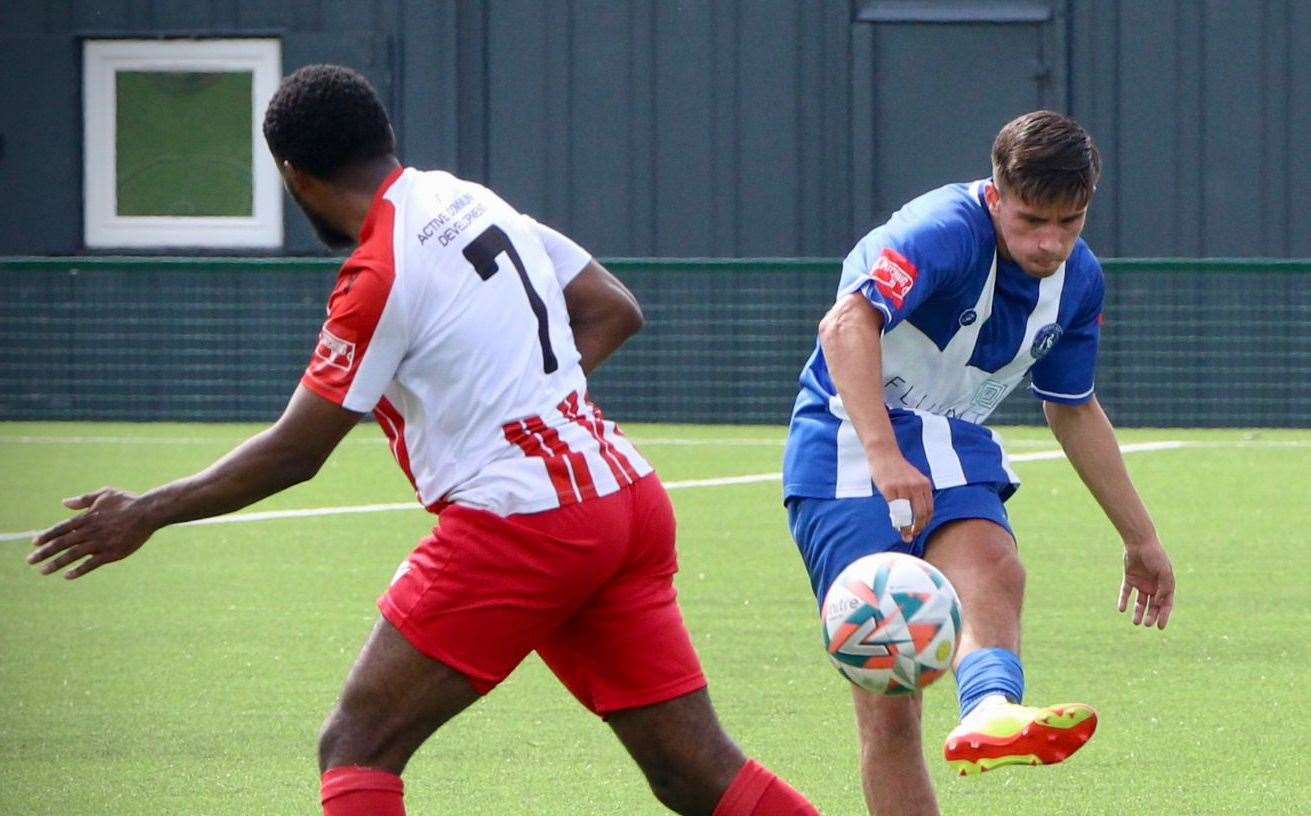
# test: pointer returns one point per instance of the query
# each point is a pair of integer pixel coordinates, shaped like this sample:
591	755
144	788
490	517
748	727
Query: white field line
378	441
778	443
308	512
1136	447
1009	444
148	440
381	441
639	441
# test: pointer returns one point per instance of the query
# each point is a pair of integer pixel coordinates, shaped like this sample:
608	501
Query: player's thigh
832	533
627	646
980	558
970	538
394	698
975	548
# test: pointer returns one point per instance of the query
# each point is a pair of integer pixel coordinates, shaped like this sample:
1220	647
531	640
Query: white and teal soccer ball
891	623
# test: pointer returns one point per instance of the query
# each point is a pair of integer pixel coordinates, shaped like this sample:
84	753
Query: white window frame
103	226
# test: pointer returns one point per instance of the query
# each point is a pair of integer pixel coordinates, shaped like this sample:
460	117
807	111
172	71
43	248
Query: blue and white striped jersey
962	329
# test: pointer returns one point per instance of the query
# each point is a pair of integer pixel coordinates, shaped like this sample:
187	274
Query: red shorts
589	587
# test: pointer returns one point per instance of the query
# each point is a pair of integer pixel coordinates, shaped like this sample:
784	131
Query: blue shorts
831	533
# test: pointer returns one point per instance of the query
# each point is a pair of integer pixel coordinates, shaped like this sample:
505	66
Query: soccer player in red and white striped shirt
468	329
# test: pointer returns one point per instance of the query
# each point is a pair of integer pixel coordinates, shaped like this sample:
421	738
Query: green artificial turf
192	678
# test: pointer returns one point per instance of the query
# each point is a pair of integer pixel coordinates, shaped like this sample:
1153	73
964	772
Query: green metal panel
1215	342
724	127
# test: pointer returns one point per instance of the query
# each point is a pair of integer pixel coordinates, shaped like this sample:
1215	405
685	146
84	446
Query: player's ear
303	185
291	176
992	195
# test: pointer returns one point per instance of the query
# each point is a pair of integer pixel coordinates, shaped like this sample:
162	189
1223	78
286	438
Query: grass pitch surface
192	678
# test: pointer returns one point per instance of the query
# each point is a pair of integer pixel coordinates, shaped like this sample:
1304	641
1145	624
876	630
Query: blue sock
989	671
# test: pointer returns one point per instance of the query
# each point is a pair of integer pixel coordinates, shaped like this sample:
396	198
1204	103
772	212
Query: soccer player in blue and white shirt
940	314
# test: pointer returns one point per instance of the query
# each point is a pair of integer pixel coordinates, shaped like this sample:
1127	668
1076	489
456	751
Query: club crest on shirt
333	352
894	275
1045	339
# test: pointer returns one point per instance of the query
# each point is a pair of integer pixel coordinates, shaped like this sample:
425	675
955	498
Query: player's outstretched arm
851	335
114	524
602	313
1086	435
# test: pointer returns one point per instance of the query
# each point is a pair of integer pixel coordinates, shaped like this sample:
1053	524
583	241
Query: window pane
183	142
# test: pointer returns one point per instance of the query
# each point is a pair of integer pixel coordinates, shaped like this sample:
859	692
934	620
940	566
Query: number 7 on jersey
481	254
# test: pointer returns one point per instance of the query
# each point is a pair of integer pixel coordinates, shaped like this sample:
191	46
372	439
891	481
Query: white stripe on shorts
853	477
1005	458
944	464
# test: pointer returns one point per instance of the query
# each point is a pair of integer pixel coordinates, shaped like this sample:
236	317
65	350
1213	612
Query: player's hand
895	479
1148	573
112	527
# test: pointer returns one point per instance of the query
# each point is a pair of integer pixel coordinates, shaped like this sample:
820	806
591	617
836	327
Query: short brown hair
1045	157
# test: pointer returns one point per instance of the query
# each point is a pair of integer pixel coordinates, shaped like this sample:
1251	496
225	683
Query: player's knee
693	779
888	731
349	736
670	788
1007	573
886	723
335	742
994	568
685	789
330	738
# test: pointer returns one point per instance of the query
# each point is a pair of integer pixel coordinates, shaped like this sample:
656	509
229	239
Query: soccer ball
891	623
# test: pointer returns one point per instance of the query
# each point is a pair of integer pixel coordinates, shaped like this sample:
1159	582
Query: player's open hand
1148	573
899	482
112	527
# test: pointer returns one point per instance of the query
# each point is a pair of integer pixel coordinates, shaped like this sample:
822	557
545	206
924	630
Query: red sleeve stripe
517	434
355	308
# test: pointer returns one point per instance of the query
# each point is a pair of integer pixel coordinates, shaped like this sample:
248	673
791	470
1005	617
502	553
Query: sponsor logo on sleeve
894	275
333	352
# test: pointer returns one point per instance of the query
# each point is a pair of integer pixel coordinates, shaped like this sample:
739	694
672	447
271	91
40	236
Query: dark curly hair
325	119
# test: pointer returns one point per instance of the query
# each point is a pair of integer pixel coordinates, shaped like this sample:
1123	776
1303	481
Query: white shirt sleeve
567	257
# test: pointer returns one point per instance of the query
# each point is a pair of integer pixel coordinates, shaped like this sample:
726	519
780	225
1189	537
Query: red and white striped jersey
449	323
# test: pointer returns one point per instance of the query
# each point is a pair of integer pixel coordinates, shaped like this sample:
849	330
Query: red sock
353	791
757	792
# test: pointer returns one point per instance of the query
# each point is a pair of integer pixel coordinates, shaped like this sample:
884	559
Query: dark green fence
1185	343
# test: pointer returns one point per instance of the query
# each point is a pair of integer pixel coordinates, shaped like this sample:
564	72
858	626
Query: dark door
933	82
